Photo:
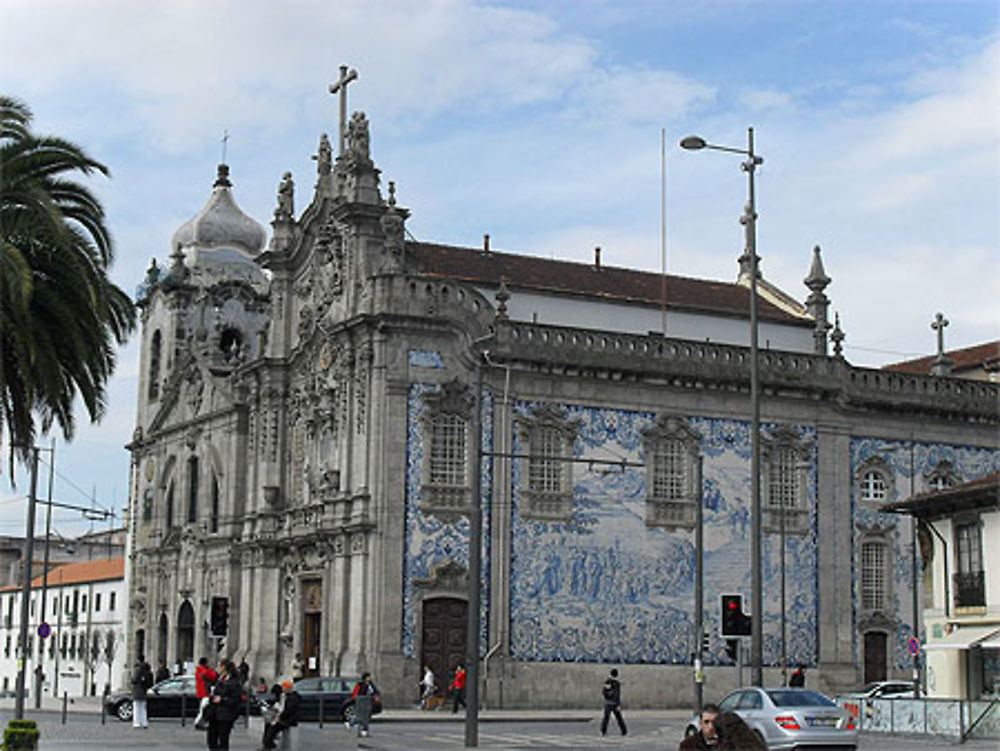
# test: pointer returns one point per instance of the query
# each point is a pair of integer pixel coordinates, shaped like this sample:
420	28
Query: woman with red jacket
457	687
204	679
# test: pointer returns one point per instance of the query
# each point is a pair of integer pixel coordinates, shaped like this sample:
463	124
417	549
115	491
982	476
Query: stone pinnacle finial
222	177
838	337
942	364
502	296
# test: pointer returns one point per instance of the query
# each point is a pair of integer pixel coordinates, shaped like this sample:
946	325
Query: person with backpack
363	697
225	702
612	693
142	681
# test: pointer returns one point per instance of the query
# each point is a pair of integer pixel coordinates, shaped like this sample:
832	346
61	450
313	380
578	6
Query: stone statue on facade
357	137
324	159
286	198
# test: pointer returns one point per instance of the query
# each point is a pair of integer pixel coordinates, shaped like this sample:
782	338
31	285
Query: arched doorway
185	633
442	643
163	634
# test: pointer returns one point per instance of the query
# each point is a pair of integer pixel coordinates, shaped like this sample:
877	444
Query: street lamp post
749	220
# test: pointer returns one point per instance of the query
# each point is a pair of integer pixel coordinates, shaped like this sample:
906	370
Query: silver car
791	718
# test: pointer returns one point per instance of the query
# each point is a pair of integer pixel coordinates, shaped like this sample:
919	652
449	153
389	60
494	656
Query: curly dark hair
735	735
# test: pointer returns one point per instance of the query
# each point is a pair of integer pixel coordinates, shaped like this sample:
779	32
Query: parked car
334	692
164	699
790	718
856	700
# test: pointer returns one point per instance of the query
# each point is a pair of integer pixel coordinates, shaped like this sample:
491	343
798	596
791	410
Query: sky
540	123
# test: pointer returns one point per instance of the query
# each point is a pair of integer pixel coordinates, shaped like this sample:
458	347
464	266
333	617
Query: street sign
44	630
913	645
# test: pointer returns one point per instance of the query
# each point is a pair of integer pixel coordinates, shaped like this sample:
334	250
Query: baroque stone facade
305	439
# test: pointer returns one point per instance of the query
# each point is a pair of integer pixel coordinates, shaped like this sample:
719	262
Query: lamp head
693	143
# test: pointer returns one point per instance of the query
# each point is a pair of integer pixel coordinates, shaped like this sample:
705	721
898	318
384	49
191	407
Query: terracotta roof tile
100	569
986	356
574	278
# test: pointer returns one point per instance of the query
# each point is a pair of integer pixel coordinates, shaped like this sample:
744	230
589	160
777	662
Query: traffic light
734	621
219	620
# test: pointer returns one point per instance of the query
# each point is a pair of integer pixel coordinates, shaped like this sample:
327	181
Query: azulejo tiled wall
430	541
604	587
910	464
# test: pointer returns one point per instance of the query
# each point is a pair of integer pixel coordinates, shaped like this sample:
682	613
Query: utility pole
699	594
45	579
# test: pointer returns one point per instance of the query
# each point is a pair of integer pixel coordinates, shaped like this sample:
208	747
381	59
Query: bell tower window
155	345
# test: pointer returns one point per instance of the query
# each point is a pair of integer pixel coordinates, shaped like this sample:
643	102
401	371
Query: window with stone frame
193	485
671	449
213	519
546	483
874	481
941	477
874	575
446	490
785	476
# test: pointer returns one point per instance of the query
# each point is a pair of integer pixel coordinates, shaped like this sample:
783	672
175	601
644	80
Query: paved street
410	730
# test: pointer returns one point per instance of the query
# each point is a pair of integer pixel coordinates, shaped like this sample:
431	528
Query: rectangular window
447	465
111	601
783	483
873	572
669	470
97	602
545	468
970	585
83	604
192	509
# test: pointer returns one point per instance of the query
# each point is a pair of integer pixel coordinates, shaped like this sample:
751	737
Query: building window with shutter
970	583
873	576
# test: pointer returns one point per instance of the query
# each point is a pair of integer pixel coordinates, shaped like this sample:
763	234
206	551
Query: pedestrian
428	685
612	693
226	701
289	708
798	679
706	737
298	668
142	681
364	697
204	680
162	671
735	735
457	688
244	671
261	685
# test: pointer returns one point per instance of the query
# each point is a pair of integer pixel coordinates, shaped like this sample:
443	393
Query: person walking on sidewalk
204	679
225	704
457	687
612	693
364	697
142	681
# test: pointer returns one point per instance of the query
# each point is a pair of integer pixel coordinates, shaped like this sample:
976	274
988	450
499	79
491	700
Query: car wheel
124	710
349	714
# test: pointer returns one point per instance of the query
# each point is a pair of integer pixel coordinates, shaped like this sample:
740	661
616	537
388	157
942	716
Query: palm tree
61	318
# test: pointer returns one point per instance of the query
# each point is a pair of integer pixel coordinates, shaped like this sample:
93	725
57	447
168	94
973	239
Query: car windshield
799	699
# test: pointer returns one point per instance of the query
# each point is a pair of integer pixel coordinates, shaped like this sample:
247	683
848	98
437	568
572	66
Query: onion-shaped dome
221	223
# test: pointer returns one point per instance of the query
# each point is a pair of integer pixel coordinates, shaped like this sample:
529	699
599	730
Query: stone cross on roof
941	364
340	85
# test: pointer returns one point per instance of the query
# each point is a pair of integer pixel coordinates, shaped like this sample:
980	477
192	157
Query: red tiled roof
574	278
101	569
986	356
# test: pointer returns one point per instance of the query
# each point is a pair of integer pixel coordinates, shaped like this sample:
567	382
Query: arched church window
155	345
446	489
192	504
873	486
147	505
169	510
213	524
231	344
874	480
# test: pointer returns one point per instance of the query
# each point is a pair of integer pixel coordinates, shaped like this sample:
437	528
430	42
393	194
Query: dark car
332	692
165	699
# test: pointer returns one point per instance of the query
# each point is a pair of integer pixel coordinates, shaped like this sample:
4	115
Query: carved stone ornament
138	607
447	577
358	140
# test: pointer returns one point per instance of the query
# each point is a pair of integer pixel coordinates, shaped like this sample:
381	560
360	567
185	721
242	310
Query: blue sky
539	122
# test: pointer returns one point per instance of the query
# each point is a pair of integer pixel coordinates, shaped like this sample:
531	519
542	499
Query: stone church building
303	458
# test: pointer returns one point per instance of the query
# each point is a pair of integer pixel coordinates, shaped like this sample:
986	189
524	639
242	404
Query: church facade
313	410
